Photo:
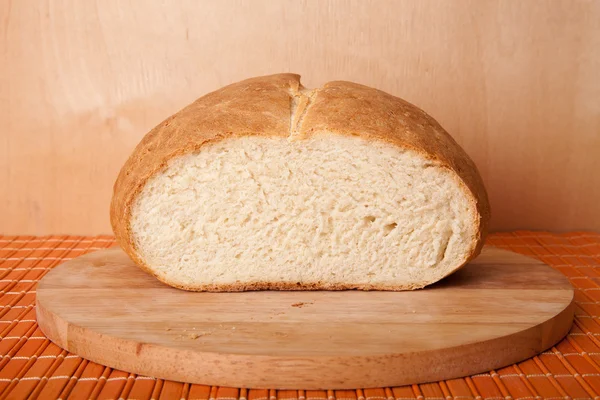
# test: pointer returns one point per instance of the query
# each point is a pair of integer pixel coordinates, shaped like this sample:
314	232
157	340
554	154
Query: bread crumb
300	305
167	329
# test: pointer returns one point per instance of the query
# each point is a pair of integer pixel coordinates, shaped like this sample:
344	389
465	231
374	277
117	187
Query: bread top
278	106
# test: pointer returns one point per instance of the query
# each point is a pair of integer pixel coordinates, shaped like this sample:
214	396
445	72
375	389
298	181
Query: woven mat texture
33	367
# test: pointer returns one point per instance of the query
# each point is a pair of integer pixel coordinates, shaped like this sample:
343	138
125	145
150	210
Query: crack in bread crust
301	101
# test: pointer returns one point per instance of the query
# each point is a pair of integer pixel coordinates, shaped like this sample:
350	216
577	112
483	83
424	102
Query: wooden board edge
309	373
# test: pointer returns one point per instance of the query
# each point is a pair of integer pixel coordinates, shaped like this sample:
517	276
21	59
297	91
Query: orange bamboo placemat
33	367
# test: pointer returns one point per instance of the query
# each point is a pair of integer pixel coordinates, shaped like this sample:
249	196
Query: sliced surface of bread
265	184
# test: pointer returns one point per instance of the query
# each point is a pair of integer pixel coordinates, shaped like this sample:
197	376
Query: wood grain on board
496	311
516	83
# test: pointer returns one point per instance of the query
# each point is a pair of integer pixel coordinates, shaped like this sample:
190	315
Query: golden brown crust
285	286
263	106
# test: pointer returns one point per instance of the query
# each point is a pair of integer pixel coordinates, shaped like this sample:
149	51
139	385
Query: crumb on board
186	334
300	305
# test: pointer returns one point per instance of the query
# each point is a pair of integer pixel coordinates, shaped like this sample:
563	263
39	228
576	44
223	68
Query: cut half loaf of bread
264	184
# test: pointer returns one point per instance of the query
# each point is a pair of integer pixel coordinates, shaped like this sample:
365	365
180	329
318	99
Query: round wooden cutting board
499	309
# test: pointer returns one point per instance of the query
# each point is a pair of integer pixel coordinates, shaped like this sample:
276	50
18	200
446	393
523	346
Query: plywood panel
515	82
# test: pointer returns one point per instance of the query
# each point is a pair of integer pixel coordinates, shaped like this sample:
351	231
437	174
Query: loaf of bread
265	184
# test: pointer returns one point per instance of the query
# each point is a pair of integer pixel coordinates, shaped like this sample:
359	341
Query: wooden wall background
516	82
